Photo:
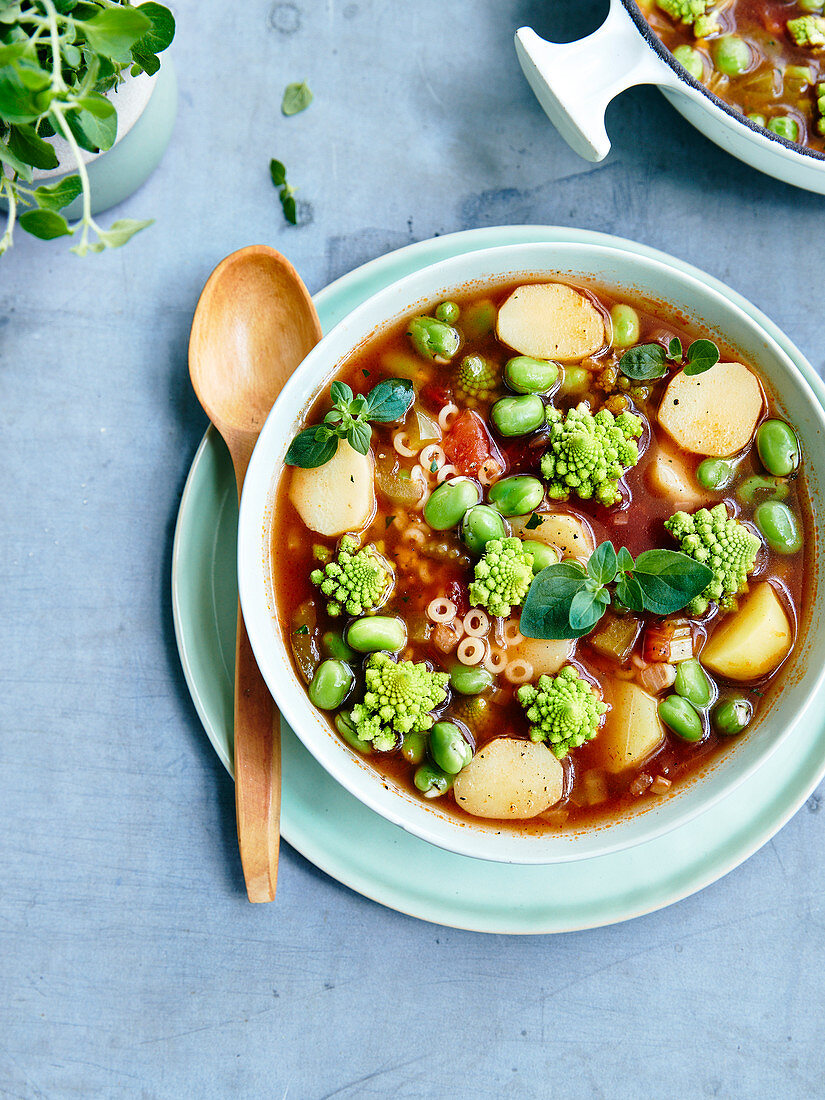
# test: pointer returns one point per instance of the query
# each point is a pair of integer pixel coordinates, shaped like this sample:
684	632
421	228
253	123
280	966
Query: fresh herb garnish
647	362
434	466
349	419
57	62
567	600
533	522
304	629
387	521
277	171
297	97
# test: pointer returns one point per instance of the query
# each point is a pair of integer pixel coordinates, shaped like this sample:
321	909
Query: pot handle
574	82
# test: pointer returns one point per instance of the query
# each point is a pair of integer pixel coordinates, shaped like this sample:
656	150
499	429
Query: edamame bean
346	727
691	59
331	684
778	447
377	633
517	495
449	748
731	716
575	380
542	554
692	683
679	716
470	679
757	487
811	5
480	524
714	474
334	646
798	77
526	375
731	55
626	326
785	127
447	504
517	415
413	747
448	312
432	781
779	526
433	339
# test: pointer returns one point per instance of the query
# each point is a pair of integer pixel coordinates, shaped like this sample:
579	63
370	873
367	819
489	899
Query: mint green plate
353	844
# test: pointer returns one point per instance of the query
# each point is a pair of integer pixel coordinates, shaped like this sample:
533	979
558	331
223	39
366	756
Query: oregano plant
58	59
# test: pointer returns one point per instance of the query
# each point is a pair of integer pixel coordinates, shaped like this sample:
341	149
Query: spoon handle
257	772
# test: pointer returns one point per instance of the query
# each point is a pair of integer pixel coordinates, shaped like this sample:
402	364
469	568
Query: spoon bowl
253	325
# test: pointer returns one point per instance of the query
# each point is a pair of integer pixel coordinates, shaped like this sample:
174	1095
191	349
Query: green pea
375	633
331	684
779	526
526	375
432	781
413	747
575	380
543	555
626	326
679	716
334	645
448	312
517	495
757	487
470	679
785	127
714	474
447	504
449	748
433	339
731	55
480	524
731	716
346	727
479	319
760	120
778	447
691	59
692	683
517	415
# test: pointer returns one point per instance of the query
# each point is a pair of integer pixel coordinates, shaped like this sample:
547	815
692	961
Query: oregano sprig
568	599
349	418
58	58
647	362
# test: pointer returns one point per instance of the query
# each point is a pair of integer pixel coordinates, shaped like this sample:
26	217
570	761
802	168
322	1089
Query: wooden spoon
253	325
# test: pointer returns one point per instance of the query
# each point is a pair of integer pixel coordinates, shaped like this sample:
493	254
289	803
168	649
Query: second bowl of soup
527	553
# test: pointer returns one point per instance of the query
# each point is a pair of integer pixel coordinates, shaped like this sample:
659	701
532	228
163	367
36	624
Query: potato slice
714	413
632	731
568	533
336	497
510	779
668	476
550	321
752	641
545	657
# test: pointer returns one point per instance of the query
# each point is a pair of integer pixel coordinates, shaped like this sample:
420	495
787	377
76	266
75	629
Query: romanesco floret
820	106
588	454
502	576
696	13
723	545
808	30
563	710
398	700
357	581
477	379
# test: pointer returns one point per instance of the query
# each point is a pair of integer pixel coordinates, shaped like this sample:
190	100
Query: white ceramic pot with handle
574	82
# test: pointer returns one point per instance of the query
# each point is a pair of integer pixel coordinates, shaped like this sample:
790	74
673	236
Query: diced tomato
434	395
458	594
468	445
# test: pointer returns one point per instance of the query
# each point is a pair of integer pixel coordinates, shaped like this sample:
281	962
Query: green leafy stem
349	418
58	58
567	600
646	362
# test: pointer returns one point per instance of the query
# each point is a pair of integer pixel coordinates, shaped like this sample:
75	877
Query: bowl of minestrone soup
529	550
750	74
